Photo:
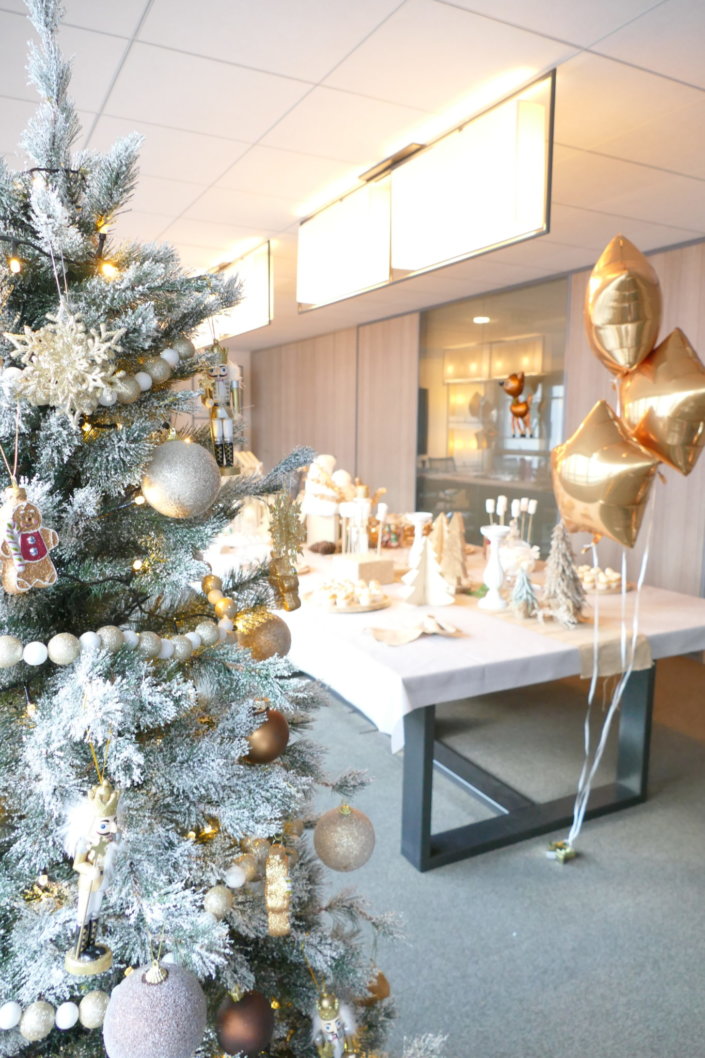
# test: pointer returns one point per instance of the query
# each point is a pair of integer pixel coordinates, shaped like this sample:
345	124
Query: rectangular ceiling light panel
478	188
254	310
482	186
344	249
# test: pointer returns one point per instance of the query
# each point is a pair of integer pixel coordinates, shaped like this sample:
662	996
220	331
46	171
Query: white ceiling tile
187	92
582	23
136	226
547	254
195	258
669	39
218	238
595	228
224	206
594	181
303	39
671	141
95	59
166	197
105	15
433	56
599	100
171	153
345	127
14	115
285	173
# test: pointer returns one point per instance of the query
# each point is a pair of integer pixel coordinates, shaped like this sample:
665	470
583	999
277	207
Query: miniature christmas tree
146	780
563	593
453	565
524	602
426	585
439	537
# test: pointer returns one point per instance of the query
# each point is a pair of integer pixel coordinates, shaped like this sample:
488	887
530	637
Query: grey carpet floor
513	955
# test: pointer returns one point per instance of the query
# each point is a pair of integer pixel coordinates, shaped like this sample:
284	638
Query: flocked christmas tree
563	593
148	784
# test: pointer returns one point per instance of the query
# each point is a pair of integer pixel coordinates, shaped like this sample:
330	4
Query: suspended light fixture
479	187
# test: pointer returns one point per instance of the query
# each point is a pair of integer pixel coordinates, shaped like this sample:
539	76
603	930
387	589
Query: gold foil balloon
663	402
601	478
622	306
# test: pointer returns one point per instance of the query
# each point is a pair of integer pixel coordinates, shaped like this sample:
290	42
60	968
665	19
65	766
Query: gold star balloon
663	402
622	306
601	478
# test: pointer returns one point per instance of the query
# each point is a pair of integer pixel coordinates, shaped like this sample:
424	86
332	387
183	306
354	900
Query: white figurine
221	395
90	837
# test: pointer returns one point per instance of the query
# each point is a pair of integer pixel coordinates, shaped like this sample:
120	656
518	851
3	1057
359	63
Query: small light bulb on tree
14	264
109	270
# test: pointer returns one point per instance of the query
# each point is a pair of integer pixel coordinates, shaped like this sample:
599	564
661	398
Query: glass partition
491	404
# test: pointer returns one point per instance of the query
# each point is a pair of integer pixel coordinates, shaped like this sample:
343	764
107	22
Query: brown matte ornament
663	402
25	545
622	306
263	633
601	478
245	1025
269	740
344	838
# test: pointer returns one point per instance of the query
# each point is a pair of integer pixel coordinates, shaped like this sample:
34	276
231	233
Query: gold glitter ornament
277	891
127	389
263	633
211	583
249	864
344	838
225	607
157	369
182	480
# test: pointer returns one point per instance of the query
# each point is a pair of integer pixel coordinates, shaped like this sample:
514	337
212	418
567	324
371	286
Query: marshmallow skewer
382	509
501	508
533	504
489	508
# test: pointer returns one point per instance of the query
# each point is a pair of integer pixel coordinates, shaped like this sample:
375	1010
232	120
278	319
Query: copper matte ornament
245	1025
601	478
269	740
344	838
663	402
622	306
263	633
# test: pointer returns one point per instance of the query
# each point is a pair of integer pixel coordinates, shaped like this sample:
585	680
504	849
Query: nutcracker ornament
26	544
333	1027
221	395
90	839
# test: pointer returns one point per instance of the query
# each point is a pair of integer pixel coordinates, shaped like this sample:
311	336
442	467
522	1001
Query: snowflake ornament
67	366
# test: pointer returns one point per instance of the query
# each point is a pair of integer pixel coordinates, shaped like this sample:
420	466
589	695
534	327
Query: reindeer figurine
521	409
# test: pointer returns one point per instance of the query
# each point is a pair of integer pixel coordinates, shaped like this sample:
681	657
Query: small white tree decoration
563	593
524	602
439	537
425	582
453	566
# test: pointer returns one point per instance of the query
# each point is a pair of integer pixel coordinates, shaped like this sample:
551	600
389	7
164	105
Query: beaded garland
64	648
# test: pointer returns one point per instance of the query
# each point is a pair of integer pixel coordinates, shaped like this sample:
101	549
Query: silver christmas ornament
158	369
182	480
111	638
149	645
218	901
184	347
166	1018
10	651
344	838
127	389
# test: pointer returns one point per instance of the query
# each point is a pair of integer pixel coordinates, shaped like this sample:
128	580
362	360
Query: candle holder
494	572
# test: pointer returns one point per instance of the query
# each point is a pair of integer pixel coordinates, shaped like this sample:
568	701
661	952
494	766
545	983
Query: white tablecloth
386	682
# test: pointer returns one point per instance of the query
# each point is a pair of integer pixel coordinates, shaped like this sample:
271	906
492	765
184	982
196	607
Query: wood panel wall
678	534
387	408
352	393
304	394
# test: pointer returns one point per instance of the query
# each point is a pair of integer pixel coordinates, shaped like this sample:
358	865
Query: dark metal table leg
417	788
520	818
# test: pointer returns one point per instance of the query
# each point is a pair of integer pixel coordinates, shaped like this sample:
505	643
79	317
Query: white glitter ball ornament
182	480
37	1021
92	1007
144	1020
10	651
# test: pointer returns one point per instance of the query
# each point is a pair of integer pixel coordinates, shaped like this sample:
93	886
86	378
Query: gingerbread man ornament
25	546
